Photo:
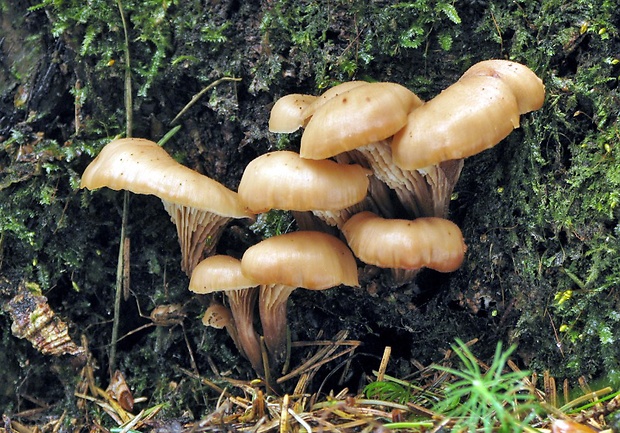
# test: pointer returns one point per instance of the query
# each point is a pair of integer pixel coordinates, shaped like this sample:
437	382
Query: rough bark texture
539	212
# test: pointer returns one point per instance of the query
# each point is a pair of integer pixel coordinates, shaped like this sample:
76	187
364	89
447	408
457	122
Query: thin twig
199	95
121	248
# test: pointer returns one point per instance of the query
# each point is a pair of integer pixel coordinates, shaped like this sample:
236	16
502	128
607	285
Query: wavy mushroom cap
284	180
219	273
286	113
307	259
527	87
475	113
364	114
468	117
143	167
430	242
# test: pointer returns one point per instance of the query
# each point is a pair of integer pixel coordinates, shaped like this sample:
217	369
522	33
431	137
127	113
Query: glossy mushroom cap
468	117
284	180
527	87
364	114
223	273
434	243
472	115
218	316
143	167
286	113
329	94
199	206
308	259
219	273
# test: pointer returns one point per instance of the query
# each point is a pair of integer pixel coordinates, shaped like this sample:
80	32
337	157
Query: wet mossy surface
539	212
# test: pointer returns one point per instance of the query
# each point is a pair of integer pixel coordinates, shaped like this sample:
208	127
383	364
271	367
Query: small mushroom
307	259
199	206
410	245
223	273
286	113
283	180
219	317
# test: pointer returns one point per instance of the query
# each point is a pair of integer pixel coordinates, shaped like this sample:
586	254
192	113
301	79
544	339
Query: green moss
553	227
345	39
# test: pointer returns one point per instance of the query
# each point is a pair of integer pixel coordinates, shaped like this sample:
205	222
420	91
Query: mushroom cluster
376	169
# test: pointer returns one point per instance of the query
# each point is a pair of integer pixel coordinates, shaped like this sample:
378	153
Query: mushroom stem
400	277
424	192
272	309
199	234
242	308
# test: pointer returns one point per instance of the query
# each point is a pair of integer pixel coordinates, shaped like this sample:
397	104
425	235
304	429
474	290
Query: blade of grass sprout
128	93
131	424
168	135
118	295
284	427
579	400
373	402
594	403
384	362
423	391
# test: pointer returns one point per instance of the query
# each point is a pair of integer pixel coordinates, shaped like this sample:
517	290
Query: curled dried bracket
34	320
119	391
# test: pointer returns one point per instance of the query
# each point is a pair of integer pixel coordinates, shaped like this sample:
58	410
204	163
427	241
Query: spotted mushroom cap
364	114
329	94
284	180
286	113
429	242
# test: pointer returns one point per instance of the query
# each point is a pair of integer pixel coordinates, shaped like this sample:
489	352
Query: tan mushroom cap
527	87
308	259
143	167
468	117
329	94
364	114
431	242
284	180
219	273
286	113
219	317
